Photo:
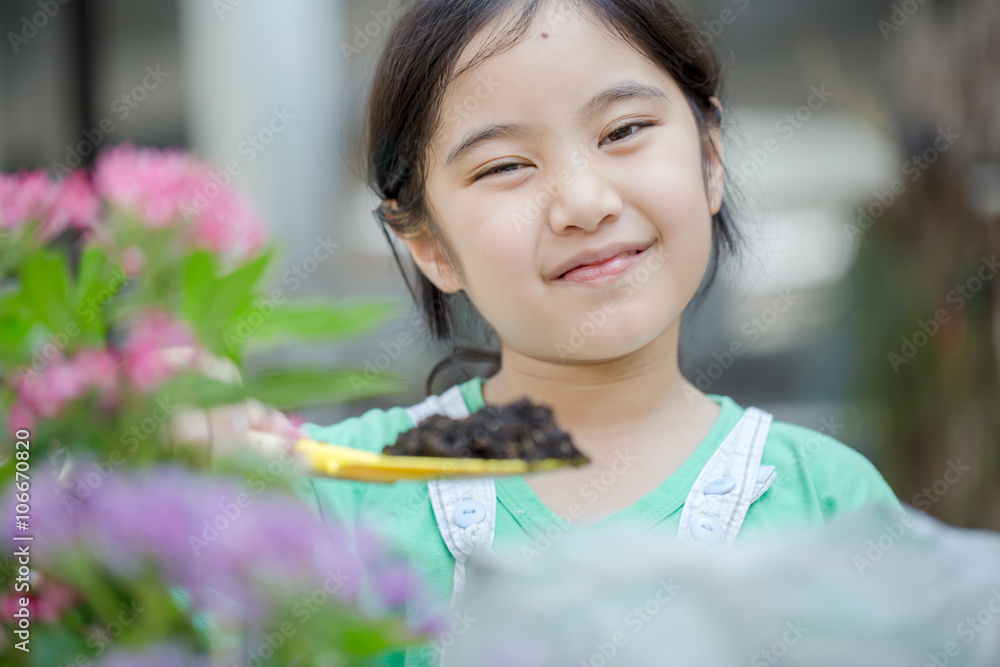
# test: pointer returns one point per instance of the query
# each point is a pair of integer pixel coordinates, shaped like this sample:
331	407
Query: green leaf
16	321
237	287
80	572
92	262
294	389
93	277
310	321
45	289
201	392
366	641
211	303
199	283
54	644
96	285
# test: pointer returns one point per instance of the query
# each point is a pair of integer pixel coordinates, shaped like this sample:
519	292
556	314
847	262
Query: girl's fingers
218	368
179	357
229	429
271	431
270	420
190	426
224	429
270	444
197	359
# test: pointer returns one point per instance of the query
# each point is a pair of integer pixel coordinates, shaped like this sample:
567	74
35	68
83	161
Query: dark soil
521	430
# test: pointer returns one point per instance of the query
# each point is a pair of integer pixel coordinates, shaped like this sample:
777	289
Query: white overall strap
465	509
731	480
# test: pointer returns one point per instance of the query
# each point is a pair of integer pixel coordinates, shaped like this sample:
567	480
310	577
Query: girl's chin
577	349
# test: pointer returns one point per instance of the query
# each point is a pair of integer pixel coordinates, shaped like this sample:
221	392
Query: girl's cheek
497	248
670	184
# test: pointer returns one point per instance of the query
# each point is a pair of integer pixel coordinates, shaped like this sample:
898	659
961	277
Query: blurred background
863	147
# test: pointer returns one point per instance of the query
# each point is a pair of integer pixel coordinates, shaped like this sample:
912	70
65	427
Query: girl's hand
230	428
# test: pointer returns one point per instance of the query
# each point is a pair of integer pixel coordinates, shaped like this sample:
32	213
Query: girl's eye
616	135
621	133
497	169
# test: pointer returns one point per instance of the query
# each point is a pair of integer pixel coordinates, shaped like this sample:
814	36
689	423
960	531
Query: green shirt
817	479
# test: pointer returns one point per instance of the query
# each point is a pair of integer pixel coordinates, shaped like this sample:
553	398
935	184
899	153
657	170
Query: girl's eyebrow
626	89
629	88
504	131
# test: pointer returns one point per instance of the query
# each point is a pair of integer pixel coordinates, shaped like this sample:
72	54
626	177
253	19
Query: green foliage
103	401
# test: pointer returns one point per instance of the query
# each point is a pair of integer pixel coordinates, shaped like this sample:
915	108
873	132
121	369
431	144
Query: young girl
560	165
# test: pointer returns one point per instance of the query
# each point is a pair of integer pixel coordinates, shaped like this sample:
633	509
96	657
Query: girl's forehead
568	53
503	46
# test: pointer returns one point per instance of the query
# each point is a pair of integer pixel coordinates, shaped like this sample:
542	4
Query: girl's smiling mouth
601	265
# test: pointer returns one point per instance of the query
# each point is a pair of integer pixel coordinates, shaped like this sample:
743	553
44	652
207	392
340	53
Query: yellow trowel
350	463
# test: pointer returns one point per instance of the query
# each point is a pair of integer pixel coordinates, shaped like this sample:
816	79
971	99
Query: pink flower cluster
30	196
162	189
169	189
47	604
142	354
47	392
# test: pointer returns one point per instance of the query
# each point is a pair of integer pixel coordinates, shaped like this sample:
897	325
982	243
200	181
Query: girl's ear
429	259
717	172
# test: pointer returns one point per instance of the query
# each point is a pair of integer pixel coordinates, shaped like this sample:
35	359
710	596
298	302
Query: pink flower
99	369
155	185
228	226
20	416
133	261
75	205
48	392
171	188
53	600
48	605
10	604
23	196
153	332
64	383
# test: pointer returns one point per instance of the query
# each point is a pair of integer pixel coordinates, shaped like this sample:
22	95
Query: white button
720	485
706	529
469	512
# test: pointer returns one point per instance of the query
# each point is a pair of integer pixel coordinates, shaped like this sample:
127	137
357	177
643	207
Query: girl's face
561	146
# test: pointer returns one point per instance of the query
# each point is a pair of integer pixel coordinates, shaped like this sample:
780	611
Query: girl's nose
586	199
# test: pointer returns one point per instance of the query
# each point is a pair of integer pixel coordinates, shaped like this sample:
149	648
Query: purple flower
396	583
231	548
390	576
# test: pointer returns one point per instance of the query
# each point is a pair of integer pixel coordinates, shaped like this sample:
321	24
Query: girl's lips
610	269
